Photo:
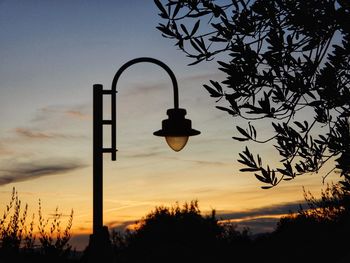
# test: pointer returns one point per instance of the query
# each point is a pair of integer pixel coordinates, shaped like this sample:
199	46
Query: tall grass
22	235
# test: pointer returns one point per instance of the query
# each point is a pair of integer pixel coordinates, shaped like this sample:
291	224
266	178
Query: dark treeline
317	232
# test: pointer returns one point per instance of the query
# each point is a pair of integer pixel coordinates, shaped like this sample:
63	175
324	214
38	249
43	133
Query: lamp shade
176	129
177	143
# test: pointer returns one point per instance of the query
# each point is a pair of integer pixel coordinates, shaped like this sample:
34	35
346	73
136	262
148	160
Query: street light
176	130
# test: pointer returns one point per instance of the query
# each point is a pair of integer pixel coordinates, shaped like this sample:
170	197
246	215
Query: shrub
18	239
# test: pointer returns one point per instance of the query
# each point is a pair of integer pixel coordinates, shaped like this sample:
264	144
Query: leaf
177	8
198	14
245	160
310	45
161	8
184	29
259	161
301	126
231	99
200	43
218	39
197	61
213	93
243	132
283	171
249	169
287	179
260	178
233	113
252	131
165	30
216	85
195	46
240	139
195	28
316	103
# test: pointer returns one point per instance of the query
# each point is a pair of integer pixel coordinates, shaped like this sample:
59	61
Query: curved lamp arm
154	61
176	129
114	91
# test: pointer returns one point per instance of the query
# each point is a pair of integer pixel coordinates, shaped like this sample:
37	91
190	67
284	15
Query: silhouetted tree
287	61
317	232
182	234
176	234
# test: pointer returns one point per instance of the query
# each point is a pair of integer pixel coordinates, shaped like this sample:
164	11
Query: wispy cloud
142	89
4	150
44	114
34	134
54	112
12	172
205	77
262	219
119	225
78	114
142	155
259	225
272	210
156	151
215	163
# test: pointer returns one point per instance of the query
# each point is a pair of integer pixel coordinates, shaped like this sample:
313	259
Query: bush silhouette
317	233
173	234
19	241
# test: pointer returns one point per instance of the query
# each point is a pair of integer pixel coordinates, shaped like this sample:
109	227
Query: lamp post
176	130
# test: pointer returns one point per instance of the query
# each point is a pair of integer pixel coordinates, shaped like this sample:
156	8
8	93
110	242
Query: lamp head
176	129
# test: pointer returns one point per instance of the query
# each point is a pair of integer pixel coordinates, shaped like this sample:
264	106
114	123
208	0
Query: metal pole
97	158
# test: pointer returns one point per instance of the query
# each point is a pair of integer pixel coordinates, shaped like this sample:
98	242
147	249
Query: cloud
140	89
259	225
278	209
262	219
59	112
45	113
205	76
33	134
118	225
77	114
142	155
215	163
28	133
13	172
4	150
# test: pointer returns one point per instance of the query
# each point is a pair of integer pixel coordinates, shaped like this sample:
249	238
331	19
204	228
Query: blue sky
51	54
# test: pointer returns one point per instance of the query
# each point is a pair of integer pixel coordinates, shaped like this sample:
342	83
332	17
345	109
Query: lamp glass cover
177	143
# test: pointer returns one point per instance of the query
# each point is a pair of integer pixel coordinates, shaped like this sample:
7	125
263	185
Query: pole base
99	248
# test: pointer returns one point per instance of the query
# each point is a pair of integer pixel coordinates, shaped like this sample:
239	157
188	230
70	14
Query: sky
51	54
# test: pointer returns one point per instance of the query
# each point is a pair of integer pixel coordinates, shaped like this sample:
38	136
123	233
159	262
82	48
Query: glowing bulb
177	143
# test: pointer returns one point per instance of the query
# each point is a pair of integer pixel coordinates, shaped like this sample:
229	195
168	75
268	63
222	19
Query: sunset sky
51	54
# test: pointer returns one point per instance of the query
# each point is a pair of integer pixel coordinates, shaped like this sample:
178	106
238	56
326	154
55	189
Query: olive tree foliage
287	61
